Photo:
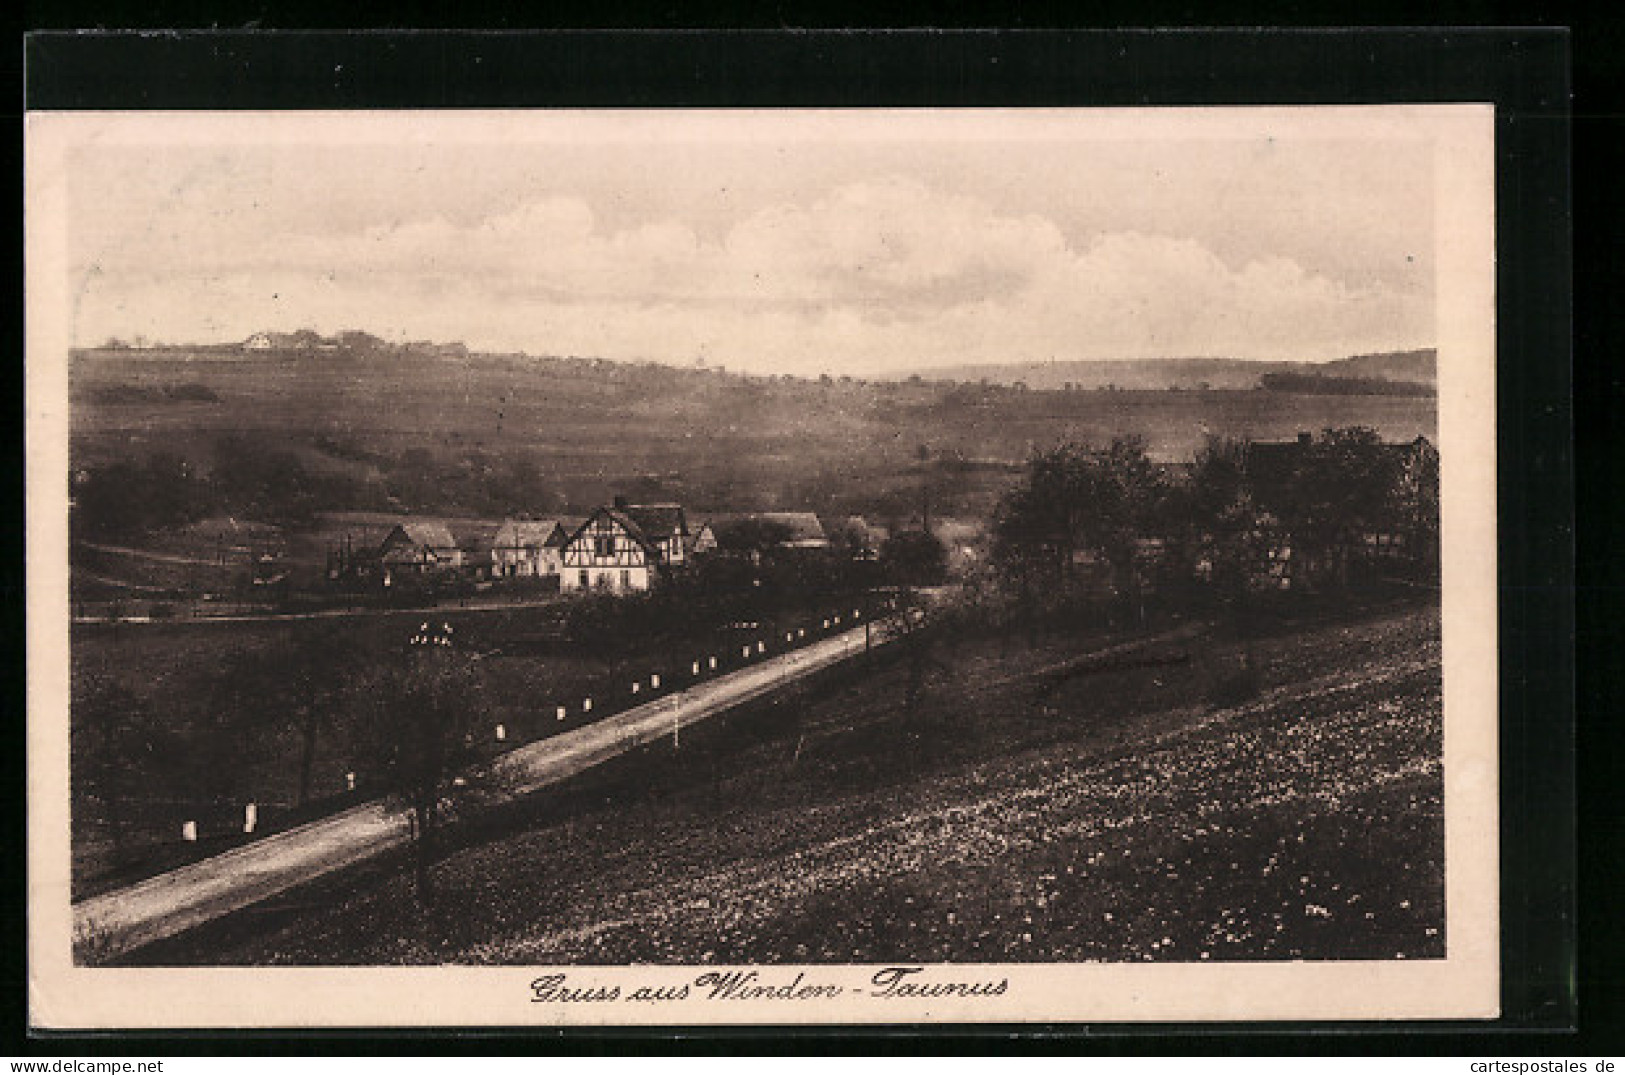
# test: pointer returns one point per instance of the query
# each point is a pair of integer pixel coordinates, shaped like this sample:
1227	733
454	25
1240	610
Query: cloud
873	276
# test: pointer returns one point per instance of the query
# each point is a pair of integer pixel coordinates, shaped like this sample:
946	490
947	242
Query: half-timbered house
625	548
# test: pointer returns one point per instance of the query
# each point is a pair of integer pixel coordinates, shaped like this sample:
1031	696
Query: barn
419	548
782	529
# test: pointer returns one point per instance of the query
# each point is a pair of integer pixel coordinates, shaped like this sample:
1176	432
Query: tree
1221	516
357	340
1329	490
1415	503
914	558
316	674
1075	498
423	723
125	499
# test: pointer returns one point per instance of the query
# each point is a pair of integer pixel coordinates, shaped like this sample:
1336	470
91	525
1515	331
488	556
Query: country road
162	906
151	554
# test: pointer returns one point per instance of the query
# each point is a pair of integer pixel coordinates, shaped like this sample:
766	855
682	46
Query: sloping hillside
1421	367
490	435
1187	373
1115	816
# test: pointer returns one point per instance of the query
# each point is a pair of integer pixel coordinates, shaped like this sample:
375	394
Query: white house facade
624	549
525	549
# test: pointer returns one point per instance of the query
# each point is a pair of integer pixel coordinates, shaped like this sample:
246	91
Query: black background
1556	978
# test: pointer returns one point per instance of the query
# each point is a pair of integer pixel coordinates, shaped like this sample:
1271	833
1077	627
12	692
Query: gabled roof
624	521
432	535
521	533
647	524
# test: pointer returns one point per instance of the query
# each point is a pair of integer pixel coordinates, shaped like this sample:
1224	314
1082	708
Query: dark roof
657	522
647	524
801	527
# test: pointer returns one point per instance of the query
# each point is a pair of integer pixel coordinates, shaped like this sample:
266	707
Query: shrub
1235	686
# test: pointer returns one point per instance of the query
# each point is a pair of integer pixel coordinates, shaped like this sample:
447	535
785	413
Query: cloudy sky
782	242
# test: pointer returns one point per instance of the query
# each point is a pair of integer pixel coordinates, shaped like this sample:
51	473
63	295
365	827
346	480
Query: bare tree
424	719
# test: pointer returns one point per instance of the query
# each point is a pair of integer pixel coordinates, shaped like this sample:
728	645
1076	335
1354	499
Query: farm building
1391	526
528	548
625	547
758	531
420	549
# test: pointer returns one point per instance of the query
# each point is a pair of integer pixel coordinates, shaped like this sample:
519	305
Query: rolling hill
487	435
1186	373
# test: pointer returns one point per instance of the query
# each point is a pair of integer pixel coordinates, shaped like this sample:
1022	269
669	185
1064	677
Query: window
604	546
626	580
586	581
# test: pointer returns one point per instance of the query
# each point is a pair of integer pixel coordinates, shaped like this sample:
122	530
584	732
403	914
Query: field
190	721
487	433
1032	807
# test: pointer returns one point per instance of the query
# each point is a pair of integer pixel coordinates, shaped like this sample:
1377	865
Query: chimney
1304	438
620	502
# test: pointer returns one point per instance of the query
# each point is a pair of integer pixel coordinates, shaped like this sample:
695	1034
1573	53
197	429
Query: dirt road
120	921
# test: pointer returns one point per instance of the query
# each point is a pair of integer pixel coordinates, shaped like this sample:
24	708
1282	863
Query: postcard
589	568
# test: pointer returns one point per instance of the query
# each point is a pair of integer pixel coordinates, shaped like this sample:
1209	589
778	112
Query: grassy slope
1115	817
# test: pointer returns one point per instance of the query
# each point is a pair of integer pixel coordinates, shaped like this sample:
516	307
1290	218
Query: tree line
1085	521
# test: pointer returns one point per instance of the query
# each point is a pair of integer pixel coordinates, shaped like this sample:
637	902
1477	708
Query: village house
418	548
625	548
528	549
786	529
1289	561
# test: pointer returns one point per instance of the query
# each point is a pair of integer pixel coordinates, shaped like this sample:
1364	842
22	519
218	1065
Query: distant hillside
1129	373
1186	373
1421	366
491	435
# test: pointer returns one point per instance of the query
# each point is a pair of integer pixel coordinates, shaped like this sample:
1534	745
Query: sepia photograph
629	567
